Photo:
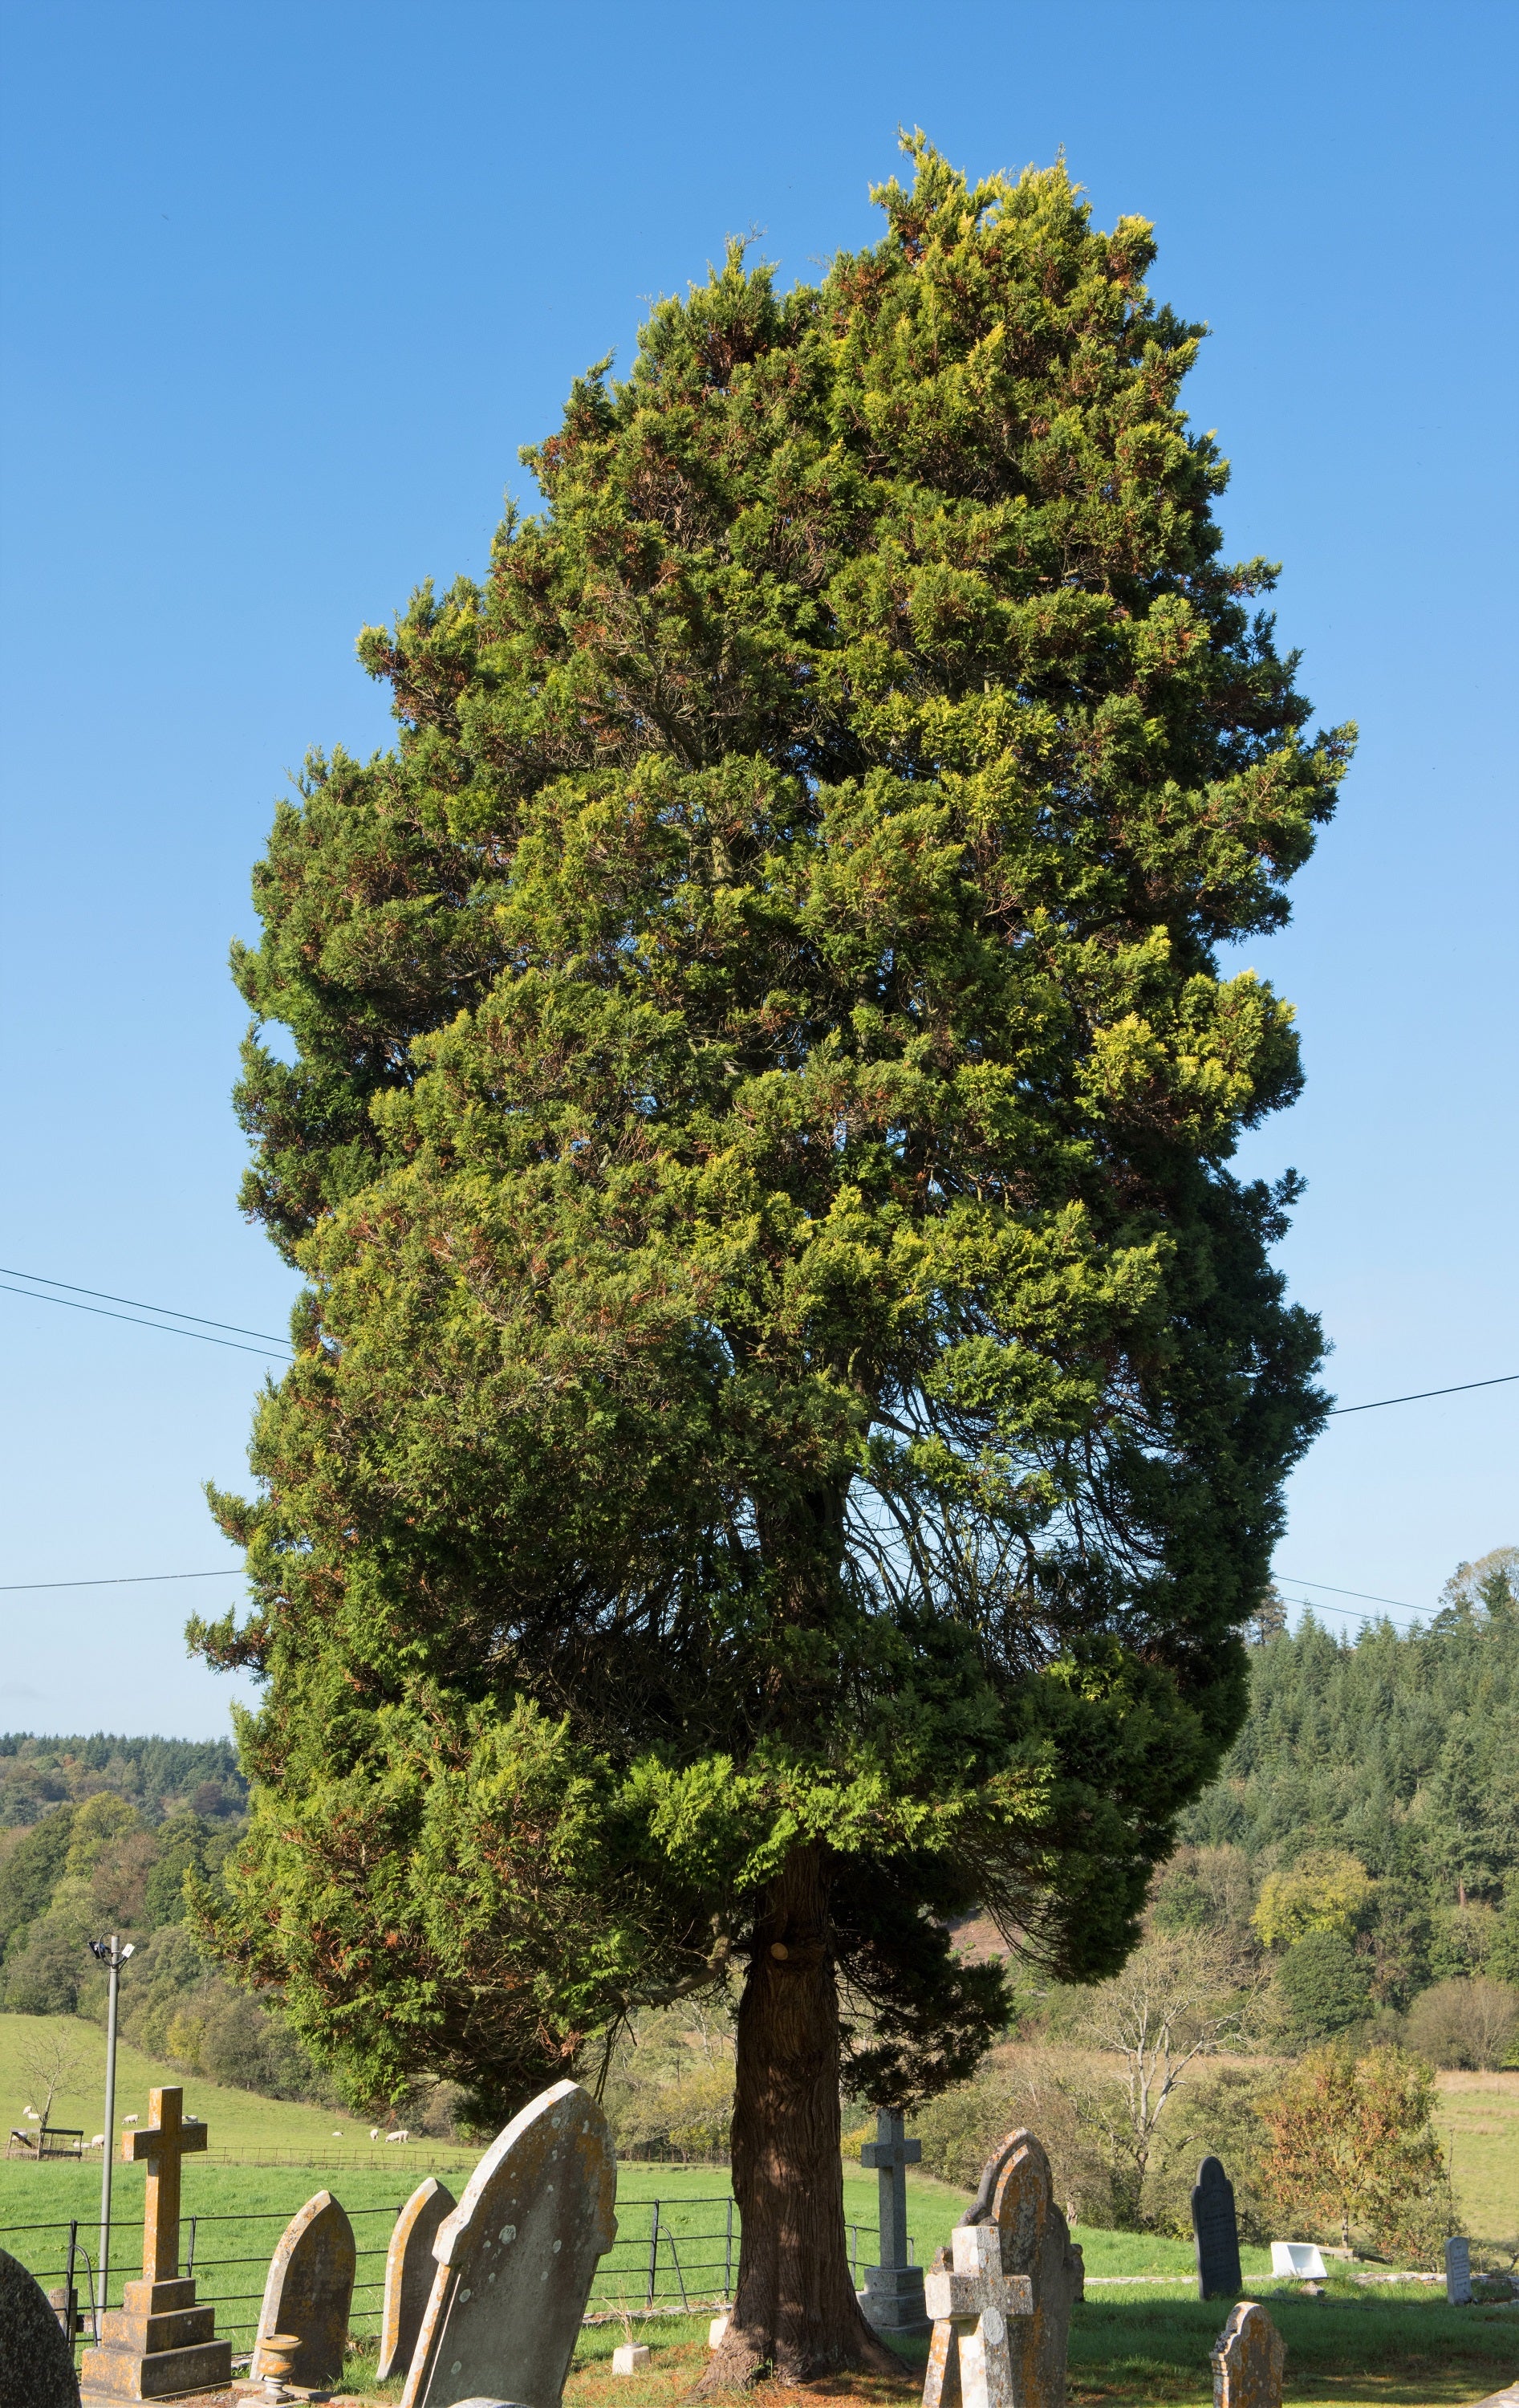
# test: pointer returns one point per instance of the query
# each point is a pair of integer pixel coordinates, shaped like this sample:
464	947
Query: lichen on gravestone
309	2290
1248	2360
515	2259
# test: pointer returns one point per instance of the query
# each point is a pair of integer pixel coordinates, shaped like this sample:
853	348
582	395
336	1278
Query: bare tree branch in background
1181	1998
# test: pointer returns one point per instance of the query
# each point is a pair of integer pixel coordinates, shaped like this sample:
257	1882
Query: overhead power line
134	1319
1420	1394
1298	1581
1375	1404
105	1297
124	1579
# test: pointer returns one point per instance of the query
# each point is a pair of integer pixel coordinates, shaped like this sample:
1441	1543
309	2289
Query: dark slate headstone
1216	2231
36	2363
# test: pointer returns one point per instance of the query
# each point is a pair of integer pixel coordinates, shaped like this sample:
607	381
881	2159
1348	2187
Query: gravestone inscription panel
1216	2232
1458	2271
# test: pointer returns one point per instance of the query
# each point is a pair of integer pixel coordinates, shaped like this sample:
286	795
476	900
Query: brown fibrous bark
795	2313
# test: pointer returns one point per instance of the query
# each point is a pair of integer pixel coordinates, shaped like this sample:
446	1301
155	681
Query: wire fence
681	2255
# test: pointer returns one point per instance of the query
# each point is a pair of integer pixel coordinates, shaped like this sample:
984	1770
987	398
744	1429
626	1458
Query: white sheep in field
132	2119
397	2136
98	2141
374	2131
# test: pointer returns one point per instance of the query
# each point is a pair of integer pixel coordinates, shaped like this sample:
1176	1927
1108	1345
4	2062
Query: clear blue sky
286	286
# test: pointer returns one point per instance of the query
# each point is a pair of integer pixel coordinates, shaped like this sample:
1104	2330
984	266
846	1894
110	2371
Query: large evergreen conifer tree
791	1403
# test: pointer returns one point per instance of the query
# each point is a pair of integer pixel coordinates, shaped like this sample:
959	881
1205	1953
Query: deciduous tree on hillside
792	1403
1350	2146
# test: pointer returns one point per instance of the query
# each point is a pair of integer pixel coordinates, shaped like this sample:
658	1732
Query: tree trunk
795	2311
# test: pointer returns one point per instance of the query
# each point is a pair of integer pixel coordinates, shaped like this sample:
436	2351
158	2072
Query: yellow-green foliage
787	1364
1324	1891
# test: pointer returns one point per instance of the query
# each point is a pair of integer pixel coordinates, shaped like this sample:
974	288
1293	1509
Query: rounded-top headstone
36	2364
515	2259
1215	2232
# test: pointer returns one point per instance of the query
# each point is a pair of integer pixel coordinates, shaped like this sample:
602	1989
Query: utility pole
113	1957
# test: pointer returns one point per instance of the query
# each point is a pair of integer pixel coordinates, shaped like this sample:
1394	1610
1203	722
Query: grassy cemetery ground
1127	2351
1140	2336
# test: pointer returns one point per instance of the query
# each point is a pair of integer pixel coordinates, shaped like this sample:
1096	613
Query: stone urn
273	2360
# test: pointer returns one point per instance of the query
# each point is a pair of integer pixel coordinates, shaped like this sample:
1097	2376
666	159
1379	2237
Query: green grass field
1478	2123
241	2124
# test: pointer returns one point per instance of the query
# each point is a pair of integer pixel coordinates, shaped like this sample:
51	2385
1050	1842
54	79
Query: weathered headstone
1458	2271
36	2363
893	2296
409	2268
514	2260
1215	2232
158	2342
974	2301
1248	2359
310	2291
1016	2200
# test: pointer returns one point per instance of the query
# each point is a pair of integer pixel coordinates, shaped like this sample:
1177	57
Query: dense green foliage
102	1836
154	1774
787	1364
1397	1752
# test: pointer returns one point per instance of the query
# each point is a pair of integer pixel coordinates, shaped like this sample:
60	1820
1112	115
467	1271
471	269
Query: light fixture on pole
113	1957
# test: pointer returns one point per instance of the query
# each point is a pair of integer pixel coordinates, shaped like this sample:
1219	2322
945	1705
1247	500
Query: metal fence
661	2269
231	2279
657	2268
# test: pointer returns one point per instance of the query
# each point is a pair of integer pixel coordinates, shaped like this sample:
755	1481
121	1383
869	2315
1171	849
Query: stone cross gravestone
1016	2200
1248	2359
158	2342
1458	2272
1215	2232
974	2298
409	2268
514	2260
893	2296
310	2292
37	2363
